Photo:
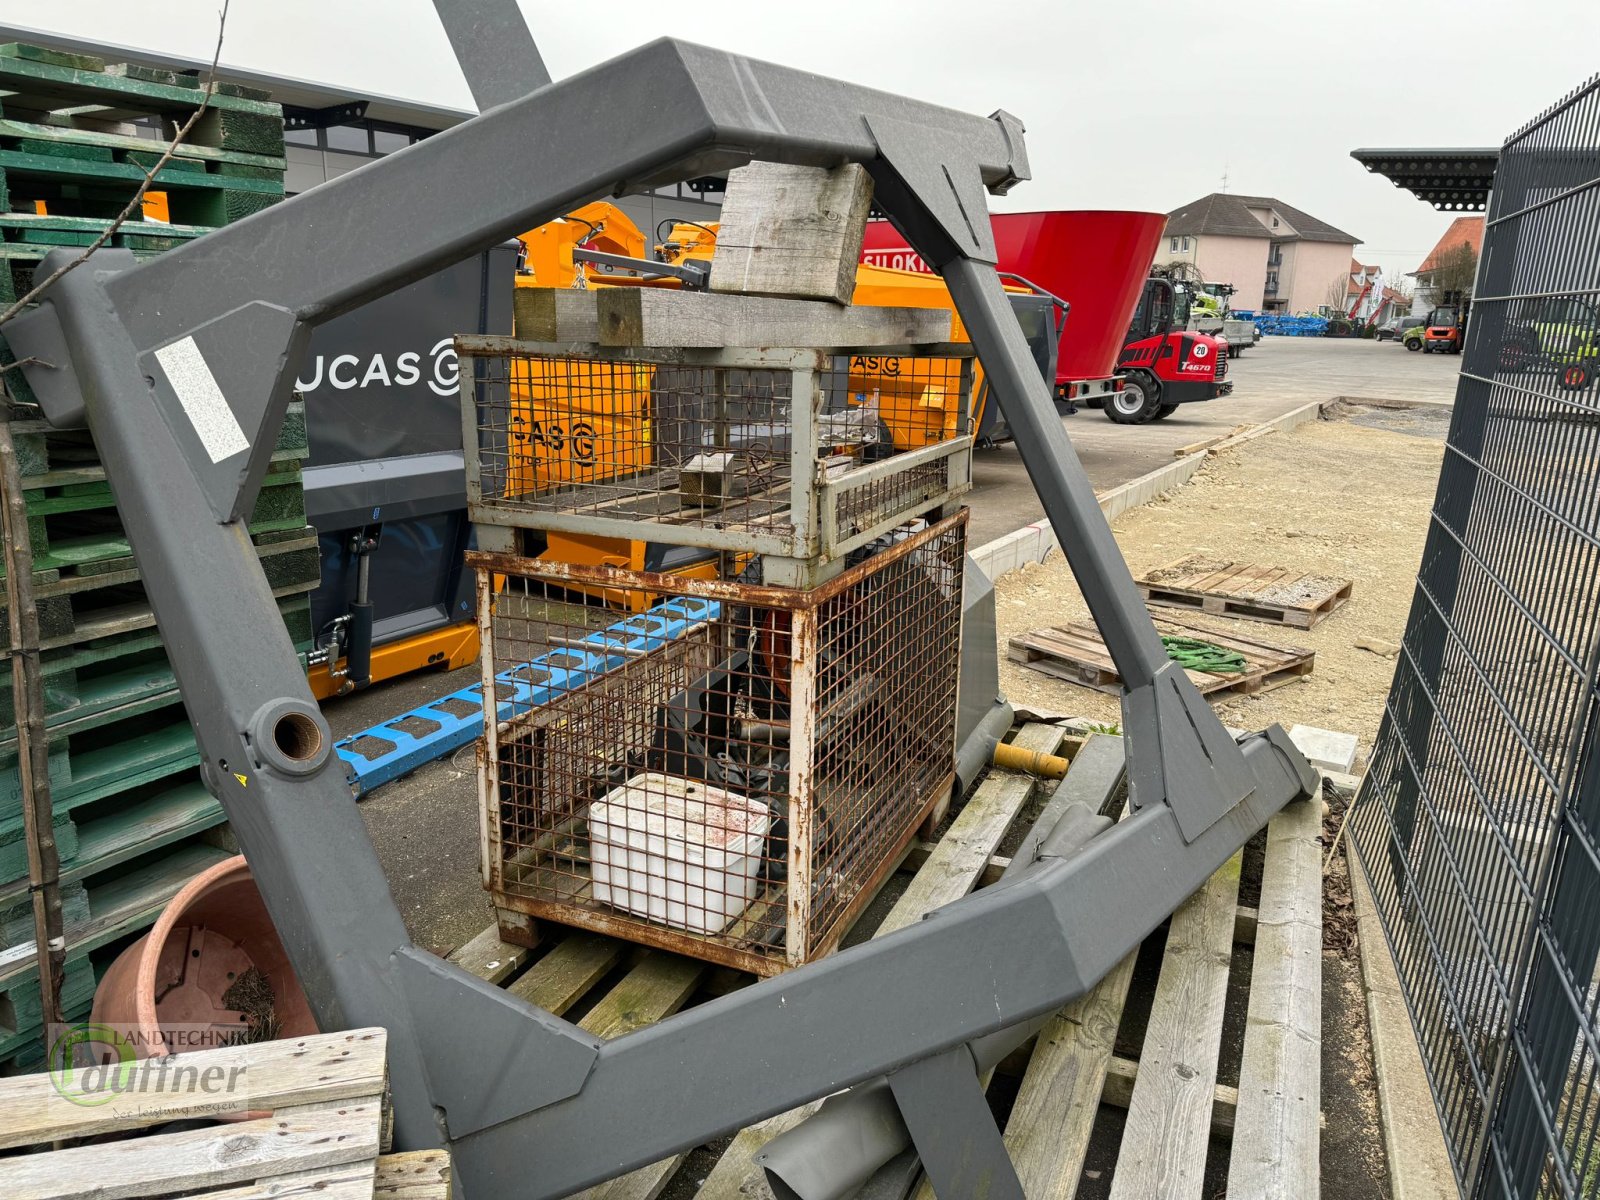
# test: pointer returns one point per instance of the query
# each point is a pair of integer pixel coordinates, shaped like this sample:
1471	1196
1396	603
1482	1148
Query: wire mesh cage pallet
801	453
730	773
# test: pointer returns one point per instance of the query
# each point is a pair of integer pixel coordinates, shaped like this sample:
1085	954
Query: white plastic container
677	851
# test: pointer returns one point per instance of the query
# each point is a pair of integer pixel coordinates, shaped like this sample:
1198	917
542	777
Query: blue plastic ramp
400	745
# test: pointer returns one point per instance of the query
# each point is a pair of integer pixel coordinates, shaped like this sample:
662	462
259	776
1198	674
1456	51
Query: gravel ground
1329	498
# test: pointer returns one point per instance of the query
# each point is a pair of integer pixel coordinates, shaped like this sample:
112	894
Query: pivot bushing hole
297	737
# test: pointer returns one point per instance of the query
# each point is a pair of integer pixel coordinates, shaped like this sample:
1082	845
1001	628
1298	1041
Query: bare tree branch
1450	278
1338	297
135	204
30	361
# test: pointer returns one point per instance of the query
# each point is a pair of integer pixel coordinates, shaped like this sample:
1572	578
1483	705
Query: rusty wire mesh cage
710	448
731	772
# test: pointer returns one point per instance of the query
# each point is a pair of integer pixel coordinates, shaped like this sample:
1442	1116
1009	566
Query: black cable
667	222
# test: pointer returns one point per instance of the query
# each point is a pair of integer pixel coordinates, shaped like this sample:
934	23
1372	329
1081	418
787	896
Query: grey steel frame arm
666	111
182	367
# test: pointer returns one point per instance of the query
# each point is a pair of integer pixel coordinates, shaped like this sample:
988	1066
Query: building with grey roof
1277	257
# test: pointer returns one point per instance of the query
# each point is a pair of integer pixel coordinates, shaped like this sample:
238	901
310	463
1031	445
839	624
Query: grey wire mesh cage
1478	825
731	771
800	453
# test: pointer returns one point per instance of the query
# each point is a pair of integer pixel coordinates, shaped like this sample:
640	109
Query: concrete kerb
1419	1161
1033	543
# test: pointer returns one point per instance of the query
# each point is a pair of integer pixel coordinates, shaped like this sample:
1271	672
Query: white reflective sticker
202	400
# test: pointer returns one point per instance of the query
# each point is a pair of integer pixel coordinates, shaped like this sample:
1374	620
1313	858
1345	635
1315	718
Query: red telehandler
1163	364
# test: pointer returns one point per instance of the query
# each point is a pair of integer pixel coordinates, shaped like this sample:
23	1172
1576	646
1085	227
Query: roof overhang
1452	180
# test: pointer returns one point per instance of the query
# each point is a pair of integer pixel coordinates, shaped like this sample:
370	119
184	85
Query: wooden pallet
311	1118
128	806
22	1022
1077	653
1070	1077
65	140
127	898
1275	595
51	458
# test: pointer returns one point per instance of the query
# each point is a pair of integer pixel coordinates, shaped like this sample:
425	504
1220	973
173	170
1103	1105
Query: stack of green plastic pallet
132	820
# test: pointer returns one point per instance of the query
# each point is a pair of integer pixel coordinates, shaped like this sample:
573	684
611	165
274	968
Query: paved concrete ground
1268	380
425	827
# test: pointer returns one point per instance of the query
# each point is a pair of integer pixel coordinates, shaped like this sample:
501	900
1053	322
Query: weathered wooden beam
1276	1145
195	1158
1169	1113
320	1067
792	231
490	959
652	991
560	978
413	1175
555	315
658	317
1048	1132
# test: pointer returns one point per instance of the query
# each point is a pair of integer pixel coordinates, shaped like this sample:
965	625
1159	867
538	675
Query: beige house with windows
1277	257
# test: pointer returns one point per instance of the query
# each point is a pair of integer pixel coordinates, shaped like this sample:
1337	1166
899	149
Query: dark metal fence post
1477	824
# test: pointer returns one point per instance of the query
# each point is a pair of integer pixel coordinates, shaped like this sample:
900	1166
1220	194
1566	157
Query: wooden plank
169	179
366	1168
961	856
657	317
921	849
789	230
195	1158
59	58
1276	1146
413	1175
1239	439
1123	1073
737	1175
1199	447
950	874
555	314
654	989
1169	1117
959	859
139	828
489	958
116	93
350	1182
328	1066
118	141
1047	1134
1097	772
646	1183
558	980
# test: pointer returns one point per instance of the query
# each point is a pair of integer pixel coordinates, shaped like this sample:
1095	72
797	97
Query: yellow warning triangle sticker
243	781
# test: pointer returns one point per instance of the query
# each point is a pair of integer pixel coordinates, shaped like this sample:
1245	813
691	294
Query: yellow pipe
1016	758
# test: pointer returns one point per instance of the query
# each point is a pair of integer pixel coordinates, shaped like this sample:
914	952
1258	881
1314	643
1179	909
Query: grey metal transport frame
182	368
1479	822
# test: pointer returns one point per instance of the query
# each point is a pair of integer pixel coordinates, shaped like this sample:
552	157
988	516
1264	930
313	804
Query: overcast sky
1140	104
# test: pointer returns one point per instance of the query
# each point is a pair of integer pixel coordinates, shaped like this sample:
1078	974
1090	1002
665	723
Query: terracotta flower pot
168	988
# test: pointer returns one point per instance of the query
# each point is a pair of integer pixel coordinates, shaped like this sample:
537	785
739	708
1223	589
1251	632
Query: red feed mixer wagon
1123	346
